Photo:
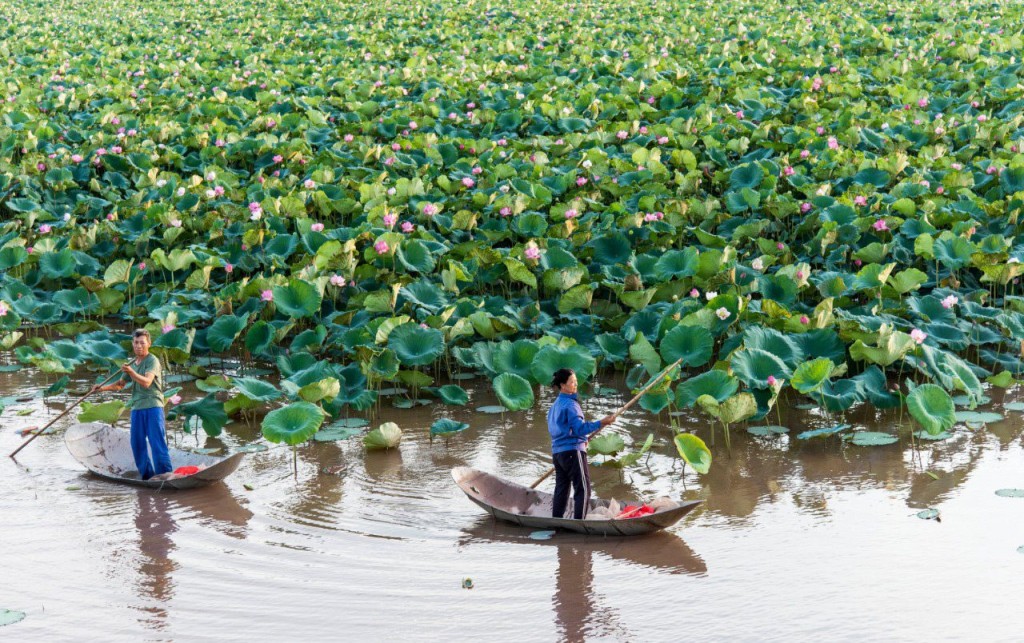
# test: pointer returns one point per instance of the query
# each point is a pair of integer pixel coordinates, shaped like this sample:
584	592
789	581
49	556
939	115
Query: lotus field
819	206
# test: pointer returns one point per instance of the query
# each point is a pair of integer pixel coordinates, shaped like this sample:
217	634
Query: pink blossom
918	335
860	200
309	184
77	158
662	140
220	142
982	118
779	246
804	320
413	125
271	124
278	158
722	313
267	295
880	225
45	228
30	249
940	190
804	153
581	181
338	280
857	262
228	268
175	223
390	219
531	251
621	134
167	328
395	147
820	130
407	227
381	247
389	161
505	211
571	213
142	265
833	144
805	207
788	170
799	274
922	102
739	114
771	380
317	227
349	138
468	182
174	399
694	293
950	301
430	209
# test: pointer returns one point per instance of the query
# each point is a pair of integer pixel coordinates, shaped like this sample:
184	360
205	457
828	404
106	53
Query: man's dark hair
561	376
142	332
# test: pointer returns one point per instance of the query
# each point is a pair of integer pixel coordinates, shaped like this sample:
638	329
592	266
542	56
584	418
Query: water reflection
580	610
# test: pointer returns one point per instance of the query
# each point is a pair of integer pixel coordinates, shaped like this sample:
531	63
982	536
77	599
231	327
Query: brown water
795	540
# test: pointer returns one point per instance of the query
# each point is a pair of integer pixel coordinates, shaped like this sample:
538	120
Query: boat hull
106	452
520	505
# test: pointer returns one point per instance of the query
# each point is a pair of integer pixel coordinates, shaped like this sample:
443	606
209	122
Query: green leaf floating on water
823	432
606	444
924	435
386	436
106	412
1010	493
491	409
932	407
334	433
767	430
928	514
514	392
58	386
872	439
693	451
10	617
293	424
445	426
978	417
1014	406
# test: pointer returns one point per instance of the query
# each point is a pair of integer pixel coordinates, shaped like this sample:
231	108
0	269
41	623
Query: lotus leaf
293	424
932	407
693	451
514	392
386	436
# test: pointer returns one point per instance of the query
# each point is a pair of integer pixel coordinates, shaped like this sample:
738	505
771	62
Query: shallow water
796	539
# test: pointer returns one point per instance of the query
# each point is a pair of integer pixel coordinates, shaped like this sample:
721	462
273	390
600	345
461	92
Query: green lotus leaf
255	389
823	432
298	300
890	346
57	265
754	366
606	444
453	394
223	331
515	357
693	451
10	617
447	426
693	344
551	358
210	412
416	346
513	391
293	424
105	412
932	407
386	436
336	432
872	439
767	430
809	376
717	384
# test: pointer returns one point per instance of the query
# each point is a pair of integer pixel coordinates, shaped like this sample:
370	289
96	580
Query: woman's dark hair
561	376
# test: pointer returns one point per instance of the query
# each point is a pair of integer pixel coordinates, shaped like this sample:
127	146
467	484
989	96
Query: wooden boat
521	505
107	453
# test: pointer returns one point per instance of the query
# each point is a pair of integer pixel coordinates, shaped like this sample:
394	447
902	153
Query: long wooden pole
43	430
621	410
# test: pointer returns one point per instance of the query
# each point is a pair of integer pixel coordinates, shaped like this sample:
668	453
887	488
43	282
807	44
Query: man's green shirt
142	397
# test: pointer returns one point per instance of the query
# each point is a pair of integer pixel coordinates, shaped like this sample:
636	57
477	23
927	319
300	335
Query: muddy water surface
795	540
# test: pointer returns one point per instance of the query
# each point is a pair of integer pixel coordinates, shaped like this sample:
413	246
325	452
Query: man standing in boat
569	434
146	379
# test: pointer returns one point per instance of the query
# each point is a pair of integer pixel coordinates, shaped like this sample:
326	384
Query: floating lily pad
767	430
803	406
822	432
1014	406
334	433
928	514
10	617
963	400
491	409
1010	493
206	450
872	438
978	417
386	436
541	535
352	423
924	435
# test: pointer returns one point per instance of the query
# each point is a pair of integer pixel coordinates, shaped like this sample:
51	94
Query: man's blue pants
148	424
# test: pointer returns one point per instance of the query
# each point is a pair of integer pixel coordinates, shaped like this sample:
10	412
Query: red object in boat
630	511
186	471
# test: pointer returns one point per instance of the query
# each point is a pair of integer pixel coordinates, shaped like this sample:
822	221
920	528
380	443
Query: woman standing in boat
569	445
146	379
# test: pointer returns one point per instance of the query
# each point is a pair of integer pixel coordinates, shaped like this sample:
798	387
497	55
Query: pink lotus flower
338	280
739	114
940	190
30	249
505	211
880	225
804	153
430	209
860	200
142	265
621	134
407	227
390	219
267	295
174	399
788	171
799	274
982	118
468	182
278	158
220	142
167	328
413	125
662	140
833	144
271	124
381	247
77	158
45	228
771	380
950	301
531	251
857	262
228	268
349	138
581	181
820	130
922	102
571	213
694	293
779	246
309	184
805	207
722	313
175	223
918	336
804	320
317	227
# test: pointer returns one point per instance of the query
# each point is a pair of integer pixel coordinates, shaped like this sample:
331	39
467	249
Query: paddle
621	410
80	400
